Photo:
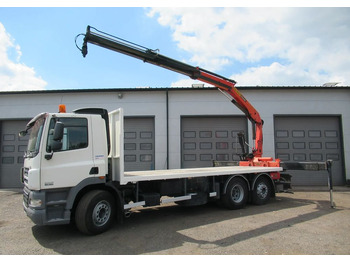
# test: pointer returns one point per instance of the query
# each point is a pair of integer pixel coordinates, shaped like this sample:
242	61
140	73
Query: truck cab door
67	157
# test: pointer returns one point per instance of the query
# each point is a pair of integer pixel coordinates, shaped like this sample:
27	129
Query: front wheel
95	212
236	195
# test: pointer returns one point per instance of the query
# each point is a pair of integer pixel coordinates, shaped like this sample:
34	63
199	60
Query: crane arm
227	86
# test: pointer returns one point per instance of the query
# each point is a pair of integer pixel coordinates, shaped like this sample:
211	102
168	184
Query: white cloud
276	46
14	75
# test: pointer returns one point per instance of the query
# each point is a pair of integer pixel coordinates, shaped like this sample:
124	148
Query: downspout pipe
167	127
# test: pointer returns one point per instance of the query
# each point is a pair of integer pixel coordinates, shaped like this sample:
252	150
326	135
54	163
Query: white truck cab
61	154
64	161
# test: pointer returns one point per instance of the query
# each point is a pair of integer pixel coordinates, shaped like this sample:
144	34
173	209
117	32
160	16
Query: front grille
26	197
25	175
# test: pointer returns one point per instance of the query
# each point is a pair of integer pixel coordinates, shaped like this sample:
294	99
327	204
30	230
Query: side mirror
56	142
58	131
56	145
23	133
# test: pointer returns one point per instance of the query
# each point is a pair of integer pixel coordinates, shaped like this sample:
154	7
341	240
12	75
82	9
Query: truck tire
236	195
95	212
262	190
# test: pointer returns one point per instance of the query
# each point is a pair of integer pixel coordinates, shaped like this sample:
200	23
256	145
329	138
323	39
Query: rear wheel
236	195
261	193
95	212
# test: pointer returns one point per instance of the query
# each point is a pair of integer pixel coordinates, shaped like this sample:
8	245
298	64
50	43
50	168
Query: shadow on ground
158	229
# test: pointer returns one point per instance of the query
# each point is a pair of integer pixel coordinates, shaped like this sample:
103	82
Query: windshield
35	137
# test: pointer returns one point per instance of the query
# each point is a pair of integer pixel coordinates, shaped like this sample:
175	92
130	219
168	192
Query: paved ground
302	223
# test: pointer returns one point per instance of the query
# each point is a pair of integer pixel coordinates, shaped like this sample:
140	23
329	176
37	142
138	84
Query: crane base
261	161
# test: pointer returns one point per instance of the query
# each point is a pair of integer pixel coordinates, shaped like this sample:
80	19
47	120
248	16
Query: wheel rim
101	213
237	193
262	190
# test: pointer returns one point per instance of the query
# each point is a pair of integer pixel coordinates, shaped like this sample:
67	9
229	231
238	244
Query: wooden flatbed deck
151	175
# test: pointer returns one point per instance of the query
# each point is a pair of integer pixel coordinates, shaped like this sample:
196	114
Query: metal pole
330	181
167	127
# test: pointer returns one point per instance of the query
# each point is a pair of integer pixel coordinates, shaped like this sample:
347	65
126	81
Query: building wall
269	102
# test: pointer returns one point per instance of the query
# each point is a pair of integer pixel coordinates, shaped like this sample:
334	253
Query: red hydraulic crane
225	85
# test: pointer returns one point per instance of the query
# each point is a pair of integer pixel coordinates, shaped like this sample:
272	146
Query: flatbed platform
151	175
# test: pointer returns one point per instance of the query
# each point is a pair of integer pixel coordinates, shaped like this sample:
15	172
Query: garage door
12	151
204	139
310	138
139	144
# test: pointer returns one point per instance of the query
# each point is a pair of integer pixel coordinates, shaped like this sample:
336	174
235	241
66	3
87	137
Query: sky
268	46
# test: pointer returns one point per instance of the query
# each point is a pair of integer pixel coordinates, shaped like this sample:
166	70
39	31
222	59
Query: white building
188	127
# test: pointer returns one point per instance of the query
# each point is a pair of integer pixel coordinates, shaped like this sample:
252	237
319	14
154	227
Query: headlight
35	202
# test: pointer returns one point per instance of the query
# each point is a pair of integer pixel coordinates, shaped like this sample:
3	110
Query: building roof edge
92	90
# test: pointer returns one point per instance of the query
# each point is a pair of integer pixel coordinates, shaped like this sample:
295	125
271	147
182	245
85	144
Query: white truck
74	166
74	171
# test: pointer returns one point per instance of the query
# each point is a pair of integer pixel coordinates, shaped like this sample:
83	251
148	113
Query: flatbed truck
74	165
69	176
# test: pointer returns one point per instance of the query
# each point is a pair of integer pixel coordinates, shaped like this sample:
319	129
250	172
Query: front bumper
47	213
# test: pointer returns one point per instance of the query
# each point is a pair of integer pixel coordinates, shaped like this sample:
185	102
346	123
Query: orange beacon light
61	108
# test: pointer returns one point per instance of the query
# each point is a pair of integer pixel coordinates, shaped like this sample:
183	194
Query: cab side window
75	133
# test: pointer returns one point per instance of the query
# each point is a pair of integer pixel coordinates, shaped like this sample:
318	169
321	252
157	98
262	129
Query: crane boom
225	85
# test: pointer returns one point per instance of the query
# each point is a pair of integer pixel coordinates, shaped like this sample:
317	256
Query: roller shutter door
139	143
310	138
204	139
12	151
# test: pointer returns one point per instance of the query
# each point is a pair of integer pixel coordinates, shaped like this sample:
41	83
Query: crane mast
225	85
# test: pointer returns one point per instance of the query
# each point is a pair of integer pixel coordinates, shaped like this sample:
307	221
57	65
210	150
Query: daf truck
74	165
